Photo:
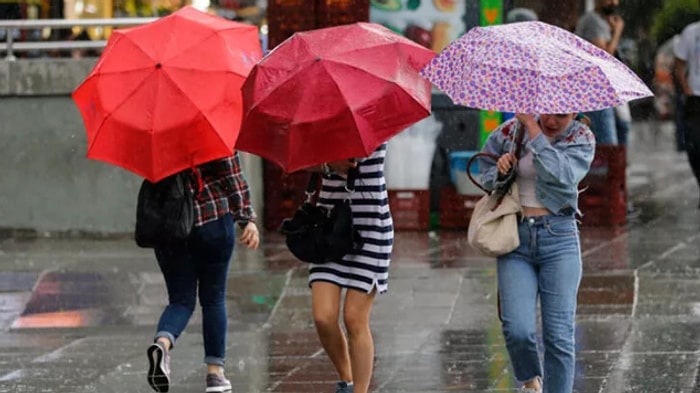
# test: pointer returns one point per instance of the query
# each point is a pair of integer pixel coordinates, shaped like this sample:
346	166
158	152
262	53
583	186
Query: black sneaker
217	383
158	367
344	387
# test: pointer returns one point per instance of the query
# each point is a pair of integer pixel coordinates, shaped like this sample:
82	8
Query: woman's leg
560	275
356	312
178	270
181	282
213	246
325	300
517	286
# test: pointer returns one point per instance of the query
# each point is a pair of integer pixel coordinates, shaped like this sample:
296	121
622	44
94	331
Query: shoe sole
218	389
157	378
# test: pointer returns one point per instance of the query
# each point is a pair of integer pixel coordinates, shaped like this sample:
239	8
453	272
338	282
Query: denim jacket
560	165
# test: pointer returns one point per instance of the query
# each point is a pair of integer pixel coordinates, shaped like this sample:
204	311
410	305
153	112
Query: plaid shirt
221	188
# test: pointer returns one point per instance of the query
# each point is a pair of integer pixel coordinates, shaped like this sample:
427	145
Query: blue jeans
547	263
623	129
603	126
202	260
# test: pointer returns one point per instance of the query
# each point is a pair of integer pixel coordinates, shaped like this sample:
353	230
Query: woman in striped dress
363	273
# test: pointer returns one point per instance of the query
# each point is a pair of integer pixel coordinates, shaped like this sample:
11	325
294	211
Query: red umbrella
333	93
165	96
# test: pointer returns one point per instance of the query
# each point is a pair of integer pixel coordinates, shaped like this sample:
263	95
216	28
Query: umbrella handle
515	150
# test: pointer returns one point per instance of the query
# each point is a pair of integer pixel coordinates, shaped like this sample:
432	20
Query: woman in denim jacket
556	154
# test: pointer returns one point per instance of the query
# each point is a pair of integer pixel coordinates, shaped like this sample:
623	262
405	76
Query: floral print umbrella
531	67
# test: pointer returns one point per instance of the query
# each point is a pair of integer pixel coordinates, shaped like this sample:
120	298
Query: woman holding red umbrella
198	267
163	98
363	273
326	95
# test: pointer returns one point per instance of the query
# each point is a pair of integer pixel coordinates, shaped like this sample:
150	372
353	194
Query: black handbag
164	211
316	234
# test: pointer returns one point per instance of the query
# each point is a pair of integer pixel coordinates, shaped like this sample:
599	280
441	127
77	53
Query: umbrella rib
99	128
199	70
340	91
139	47
288	76
201	111
131	94
339	57
193	45
354	67
393	82
136	43
121	72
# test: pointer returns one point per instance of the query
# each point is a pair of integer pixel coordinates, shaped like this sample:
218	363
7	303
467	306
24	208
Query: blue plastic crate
458	172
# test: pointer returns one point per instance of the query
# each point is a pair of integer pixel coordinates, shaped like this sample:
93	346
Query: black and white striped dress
367	268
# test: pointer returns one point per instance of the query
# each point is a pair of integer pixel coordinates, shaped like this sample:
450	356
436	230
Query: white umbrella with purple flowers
531	67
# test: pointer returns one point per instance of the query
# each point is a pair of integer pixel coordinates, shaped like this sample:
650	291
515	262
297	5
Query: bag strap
350	179
312	186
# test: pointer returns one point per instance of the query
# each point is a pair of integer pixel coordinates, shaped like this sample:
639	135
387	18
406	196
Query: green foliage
673	17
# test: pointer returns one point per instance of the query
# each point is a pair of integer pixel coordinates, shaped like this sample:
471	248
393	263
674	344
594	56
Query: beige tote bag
493	228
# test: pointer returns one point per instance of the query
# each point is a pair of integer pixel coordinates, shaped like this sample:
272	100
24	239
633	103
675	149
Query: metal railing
11	26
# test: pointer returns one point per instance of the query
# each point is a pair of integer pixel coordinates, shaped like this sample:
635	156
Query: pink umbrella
531	67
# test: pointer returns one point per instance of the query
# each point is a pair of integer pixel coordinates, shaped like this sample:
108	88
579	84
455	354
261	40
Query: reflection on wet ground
76	316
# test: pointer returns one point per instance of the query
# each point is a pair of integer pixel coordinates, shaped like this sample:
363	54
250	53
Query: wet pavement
77	315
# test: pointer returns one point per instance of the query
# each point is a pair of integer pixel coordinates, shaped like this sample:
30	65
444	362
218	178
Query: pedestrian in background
603	28
556	154
687	52
200	264
363	273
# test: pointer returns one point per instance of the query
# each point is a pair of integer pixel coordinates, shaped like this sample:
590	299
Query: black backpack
164	211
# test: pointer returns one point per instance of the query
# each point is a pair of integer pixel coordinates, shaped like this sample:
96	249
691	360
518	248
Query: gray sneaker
158	367
343	387
217	383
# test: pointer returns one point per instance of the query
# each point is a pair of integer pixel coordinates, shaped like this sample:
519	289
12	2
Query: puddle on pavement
72	299
66	299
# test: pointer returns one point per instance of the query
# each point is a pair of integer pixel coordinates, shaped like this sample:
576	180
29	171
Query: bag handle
519	145
469	164
312	186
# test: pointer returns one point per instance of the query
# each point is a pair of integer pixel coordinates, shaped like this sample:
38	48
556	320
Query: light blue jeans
603	126
547	263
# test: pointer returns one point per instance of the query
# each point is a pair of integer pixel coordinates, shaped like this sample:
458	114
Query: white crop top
526	181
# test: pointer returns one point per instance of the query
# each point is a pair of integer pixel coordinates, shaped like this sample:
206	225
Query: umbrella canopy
531	67
165	96
333	93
